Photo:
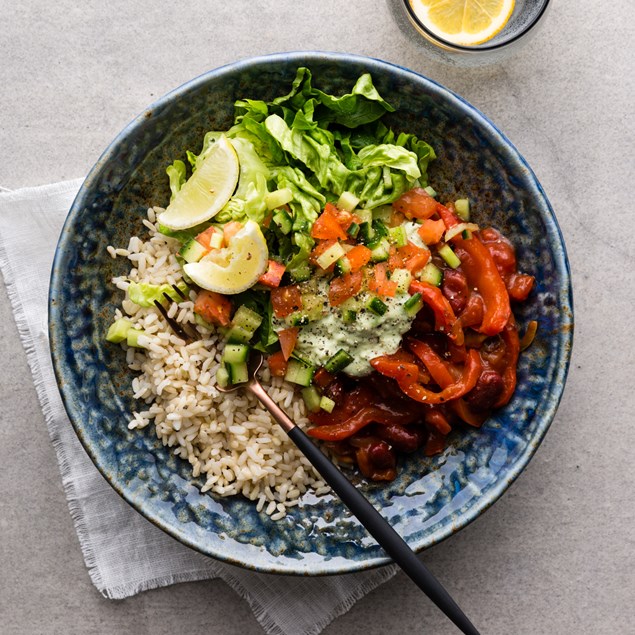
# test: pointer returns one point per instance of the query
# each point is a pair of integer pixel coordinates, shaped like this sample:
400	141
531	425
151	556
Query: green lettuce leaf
145	294
177	175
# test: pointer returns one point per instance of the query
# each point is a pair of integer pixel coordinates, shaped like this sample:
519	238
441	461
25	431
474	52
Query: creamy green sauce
366	337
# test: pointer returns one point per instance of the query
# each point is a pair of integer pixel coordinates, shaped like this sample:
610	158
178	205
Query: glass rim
478	47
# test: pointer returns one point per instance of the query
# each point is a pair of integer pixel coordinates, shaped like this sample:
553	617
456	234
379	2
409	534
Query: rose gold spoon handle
375	523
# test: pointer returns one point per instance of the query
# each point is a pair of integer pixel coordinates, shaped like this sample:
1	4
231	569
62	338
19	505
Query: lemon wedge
207	191
234	268
464	22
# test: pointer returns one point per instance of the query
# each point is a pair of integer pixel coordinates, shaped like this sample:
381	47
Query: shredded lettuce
318	145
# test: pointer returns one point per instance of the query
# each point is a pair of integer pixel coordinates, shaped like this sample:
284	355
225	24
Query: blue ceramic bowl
432	498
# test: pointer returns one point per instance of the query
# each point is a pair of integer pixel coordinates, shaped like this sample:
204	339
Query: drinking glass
522	25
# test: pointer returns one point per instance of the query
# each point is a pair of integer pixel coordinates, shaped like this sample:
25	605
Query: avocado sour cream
365	337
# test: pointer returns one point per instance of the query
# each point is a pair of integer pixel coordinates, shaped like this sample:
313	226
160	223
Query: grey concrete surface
556	554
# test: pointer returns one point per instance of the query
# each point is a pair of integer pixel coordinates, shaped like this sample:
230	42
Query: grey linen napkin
124	553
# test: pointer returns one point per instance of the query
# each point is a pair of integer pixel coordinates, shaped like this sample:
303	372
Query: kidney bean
336	391
401	438
501	249
486	392
455	289
381	455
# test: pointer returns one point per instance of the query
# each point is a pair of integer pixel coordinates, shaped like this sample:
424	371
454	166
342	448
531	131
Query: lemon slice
234	268
464	22
207	191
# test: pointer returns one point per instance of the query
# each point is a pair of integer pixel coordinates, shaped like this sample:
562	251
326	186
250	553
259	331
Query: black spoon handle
375	523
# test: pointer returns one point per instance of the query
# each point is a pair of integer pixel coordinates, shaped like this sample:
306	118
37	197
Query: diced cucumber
413	304
216	241
132	337
342	266
431	274
365	215
313	306
222	377
381	252
278	198
430	191
203	322
192	251
299	372
403	278
301	273
300	225
283	221
398	236
311	398
449	256
331	255
383	213
366	233
466	234
462	207
298	319
295	355
338	362
327	404
118	330
238	372
246	318
238	335
347	201
353	230
381	231
235	353
377	306
349	316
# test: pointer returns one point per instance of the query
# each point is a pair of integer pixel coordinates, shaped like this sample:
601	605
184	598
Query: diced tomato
213	307
414	258
288	338
395	260
431	231
277	364
230	230
273	275
345	287
327	226
344	218
267	220
204	237
322	378
358	256
380	283
319	249
416	203
286	300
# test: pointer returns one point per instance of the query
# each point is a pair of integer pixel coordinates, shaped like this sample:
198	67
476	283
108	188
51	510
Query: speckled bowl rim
554	235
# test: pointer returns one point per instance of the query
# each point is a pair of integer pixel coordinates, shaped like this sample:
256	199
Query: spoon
377	526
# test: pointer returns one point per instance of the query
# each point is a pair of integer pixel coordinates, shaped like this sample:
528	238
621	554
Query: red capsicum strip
438	368
467	381
512	350
442	373
362	418
444	317
483	275
447	215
